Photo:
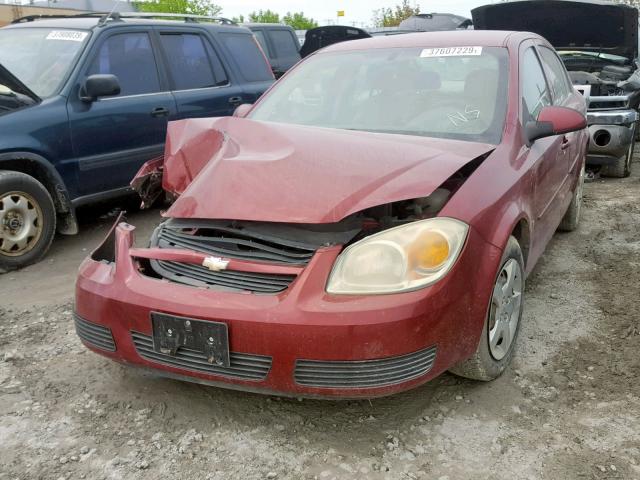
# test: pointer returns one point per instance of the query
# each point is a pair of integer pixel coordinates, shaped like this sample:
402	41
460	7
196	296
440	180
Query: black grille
228	242
365	373
196	275
243	365
95	335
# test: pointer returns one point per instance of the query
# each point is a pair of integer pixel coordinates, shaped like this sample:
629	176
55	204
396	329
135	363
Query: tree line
383	17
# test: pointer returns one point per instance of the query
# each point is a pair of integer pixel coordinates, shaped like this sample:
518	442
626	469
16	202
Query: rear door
200	83
113	136
248	63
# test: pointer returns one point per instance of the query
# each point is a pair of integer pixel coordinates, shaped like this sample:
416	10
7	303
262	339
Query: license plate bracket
210	338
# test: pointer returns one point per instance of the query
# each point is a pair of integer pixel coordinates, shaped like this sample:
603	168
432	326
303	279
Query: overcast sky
359	11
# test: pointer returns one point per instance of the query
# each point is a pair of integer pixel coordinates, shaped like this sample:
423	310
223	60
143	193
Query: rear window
190	62
245	52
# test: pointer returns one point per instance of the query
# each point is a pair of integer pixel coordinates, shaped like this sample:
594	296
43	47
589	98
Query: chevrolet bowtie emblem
215	264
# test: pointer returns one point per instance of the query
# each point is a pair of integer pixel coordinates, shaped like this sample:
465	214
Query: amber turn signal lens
430	251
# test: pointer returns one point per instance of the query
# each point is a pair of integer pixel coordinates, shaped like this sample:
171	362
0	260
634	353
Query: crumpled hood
568	25
240	169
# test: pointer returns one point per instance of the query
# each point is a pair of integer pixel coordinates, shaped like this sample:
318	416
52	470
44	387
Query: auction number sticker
451	51
69	35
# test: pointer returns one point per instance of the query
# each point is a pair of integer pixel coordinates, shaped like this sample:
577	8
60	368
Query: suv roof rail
116	16
31	18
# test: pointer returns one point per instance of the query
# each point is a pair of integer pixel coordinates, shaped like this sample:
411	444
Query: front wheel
27	220
496	346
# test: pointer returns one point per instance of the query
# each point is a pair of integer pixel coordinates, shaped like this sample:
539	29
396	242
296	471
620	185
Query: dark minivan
85	101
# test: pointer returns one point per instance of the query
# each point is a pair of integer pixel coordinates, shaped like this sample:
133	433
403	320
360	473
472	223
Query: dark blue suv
85	101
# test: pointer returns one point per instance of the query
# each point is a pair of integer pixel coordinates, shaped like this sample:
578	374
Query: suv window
283	43
247	56
535	93
556	75
263	42
191	63
128	56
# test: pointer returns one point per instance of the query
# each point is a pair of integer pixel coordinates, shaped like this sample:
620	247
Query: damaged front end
228	228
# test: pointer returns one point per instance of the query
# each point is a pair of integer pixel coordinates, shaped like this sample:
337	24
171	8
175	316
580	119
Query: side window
284	43
263	42
556	74
189	61
128	56
535	93
247	55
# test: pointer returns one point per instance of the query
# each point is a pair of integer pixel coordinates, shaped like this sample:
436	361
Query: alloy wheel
21	222
504	313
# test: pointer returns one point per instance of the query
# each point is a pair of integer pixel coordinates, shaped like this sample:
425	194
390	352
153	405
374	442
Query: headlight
400	259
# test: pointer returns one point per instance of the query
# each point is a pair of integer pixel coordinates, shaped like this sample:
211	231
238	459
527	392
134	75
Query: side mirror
99	85
242	110
554	121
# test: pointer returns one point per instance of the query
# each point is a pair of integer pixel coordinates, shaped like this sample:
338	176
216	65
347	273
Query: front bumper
300	342
611	133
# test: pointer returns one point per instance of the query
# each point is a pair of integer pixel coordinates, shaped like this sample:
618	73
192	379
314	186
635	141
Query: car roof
268	25
458	38
90	23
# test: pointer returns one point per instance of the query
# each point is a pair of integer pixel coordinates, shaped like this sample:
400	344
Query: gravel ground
569	406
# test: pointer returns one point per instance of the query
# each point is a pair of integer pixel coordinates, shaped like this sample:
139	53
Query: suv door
113	136
198	79
248	62
549	165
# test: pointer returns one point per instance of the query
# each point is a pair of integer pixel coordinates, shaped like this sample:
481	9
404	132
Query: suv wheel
27	220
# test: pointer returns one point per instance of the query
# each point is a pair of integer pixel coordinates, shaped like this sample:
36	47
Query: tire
27	220
622	167
571	217
489	361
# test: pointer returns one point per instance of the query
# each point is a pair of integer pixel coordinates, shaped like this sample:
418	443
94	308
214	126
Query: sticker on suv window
68	35
451	51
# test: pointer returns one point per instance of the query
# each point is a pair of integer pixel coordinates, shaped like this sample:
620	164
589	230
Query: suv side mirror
99	85
554	121
242	110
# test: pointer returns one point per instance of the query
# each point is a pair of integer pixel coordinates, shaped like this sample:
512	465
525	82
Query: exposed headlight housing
400	259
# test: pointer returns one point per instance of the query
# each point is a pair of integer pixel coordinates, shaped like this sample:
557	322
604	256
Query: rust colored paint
239	169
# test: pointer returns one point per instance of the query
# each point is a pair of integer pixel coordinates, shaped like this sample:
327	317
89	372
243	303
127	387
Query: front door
112	137
547	154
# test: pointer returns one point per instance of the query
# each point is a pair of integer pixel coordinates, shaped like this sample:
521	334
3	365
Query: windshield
40	57
456	92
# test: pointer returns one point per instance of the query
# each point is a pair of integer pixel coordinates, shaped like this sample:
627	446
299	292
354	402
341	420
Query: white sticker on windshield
451	51
68	35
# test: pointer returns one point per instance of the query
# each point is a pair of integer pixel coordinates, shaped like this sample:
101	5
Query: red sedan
368	224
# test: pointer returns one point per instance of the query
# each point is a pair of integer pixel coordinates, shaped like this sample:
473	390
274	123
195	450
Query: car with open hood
85	101
368	224
598	43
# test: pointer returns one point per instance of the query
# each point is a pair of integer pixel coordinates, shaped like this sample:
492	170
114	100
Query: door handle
235	100
566	143
159	112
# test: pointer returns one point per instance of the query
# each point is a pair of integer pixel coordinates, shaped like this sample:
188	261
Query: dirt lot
569	407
